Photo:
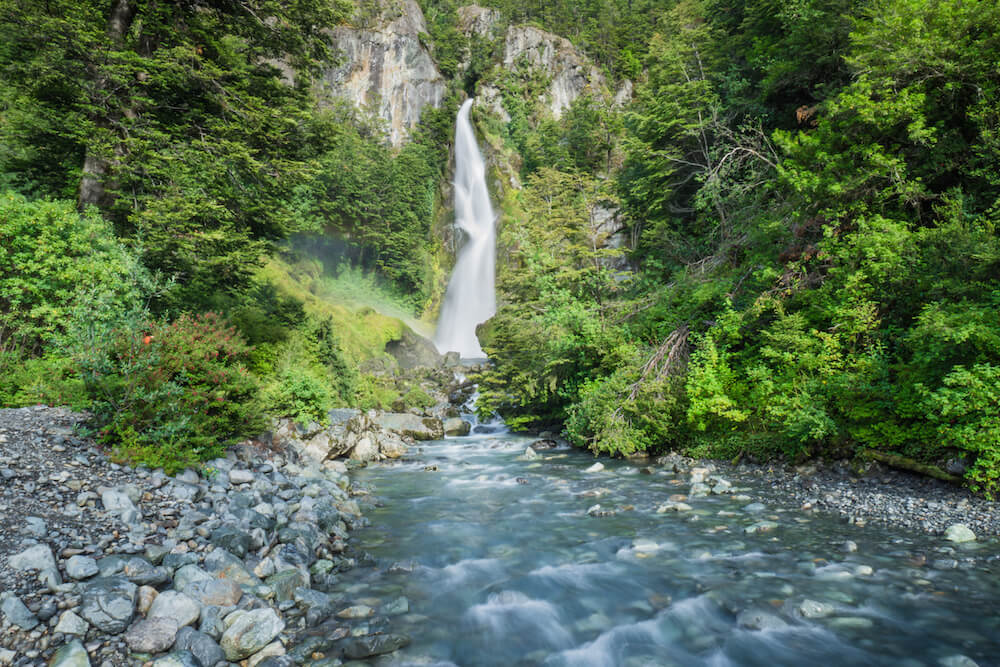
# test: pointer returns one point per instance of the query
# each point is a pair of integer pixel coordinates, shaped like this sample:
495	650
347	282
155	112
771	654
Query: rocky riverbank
102	564
877	495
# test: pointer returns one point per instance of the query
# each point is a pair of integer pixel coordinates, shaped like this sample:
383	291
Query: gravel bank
101	564
882	496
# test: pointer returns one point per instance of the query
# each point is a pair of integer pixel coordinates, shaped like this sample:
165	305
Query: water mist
470	298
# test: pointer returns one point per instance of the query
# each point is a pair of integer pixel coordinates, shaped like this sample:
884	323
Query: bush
52	257
171	395
49	380
299	394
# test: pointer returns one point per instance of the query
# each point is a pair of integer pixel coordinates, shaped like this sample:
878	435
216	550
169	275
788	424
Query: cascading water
470	298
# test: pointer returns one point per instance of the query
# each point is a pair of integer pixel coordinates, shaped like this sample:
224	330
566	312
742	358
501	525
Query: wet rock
814	609
81	567
597	467
152	635
372	645
17	614
396	607
250	633
699	489
70	655
673	507
757	619
357	611
109	603
180	608
760	527
530	454
959	533
456	426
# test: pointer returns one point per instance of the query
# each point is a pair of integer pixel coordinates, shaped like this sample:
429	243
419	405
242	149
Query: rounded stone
183	609
250	633
81	567
152	635
959	533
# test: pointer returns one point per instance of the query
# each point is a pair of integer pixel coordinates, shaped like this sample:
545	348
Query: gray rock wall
385	69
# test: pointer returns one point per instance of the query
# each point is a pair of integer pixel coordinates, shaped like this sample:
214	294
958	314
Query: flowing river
485	558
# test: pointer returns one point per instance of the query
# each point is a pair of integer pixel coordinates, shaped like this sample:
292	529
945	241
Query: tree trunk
96	176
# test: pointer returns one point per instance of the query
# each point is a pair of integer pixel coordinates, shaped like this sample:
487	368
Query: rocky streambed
102	564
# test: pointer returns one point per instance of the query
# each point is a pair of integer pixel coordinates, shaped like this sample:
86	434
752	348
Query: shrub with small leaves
171	395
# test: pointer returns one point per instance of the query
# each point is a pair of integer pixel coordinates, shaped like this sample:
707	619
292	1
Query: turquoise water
489	559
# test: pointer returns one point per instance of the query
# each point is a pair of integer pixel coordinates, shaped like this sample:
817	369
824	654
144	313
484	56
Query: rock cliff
384	67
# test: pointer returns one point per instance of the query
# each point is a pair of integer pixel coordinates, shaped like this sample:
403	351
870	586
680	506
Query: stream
483	558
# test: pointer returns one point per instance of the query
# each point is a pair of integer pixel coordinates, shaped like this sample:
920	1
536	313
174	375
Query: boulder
250	633
418	428
180	608
412	350
109	603
151	635
456	427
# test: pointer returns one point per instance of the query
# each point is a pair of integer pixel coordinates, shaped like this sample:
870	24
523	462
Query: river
485	558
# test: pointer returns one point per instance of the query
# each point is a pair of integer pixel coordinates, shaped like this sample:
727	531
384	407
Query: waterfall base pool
485	557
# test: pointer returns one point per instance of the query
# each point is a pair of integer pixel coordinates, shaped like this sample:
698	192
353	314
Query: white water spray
470	299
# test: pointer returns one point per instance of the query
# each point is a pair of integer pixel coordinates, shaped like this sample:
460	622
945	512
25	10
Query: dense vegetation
808	195
152	157
814	192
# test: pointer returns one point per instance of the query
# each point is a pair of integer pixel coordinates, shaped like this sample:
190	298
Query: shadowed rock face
385	68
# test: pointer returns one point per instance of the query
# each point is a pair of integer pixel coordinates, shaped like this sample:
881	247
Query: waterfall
470	299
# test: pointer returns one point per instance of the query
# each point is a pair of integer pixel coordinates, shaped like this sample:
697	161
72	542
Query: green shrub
299	394
49	380
375	393
51	258
416	397
171	395
966	411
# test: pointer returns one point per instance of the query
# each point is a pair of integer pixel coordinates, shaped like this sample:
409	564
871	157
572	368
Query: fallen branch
904	463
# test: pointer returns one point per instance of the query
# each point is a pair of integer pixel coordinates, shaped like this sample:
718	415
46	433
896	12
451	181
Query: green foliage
52	258
48	380
416	397
375	392
176	117
299	394
171	395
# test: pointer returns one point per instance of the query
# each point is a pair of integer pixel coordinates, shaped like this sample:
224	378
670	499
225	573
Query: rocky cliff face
385	69
570	73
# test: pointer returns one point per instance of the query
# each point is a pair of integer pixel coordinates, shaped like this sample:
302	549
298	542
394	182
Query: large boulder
412	350
416	427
